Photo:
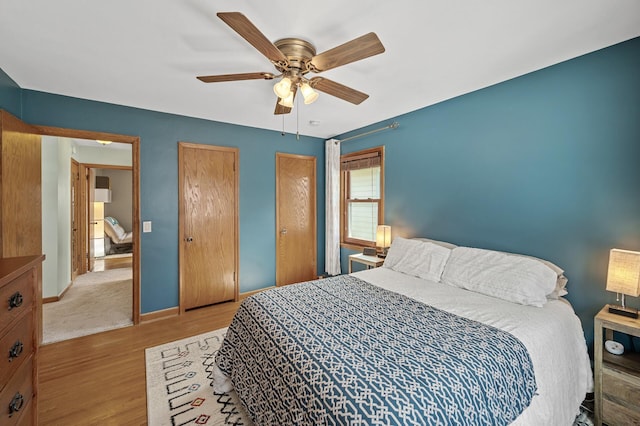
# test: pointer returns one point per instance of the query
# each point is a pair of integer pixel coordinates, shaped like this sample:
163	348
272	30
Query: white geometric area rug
179	378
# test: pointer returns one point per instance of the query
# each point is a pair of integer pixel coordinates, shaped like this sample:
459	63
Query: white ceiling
147	53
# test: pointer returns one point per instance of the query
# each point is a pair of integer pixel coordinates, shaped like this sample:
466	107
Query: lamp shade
283	87
102	195
287	101
309	94
623	275
383	236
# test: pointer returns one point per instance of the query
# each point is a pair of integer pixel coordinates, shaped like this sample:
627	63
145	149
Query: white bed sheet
552	334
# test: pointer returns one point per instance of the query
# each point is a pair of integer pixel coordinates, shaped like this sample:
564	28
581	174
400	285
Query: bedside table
617	377
370	261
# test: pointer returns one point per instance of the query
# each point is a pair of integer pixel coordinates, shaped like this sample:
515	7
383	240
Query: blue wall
10	95
159	135
547	164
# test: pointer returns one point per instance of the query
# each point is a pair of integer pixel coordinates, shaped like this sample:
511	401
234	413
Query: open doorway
109	220
85	290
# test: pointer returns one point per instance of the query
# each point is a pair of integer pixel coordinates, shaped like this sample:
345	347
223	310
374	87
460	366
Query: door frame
76	220
135	178
181	215
279	155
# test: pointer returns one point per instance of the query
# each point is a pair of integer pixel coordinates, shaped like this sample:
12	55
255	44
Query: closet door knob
189	239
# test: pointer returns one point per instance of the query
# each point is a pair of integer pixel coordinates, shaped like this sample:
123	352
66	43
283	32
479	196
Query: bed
438	335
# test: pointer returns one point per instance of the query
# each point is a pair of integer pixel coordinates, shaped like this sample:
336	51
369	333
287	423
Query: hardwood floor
100	379
112	262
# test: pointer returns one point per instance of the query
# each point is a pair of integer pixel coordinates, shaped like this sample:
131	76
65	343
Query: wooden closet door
208	179
20	187
295	218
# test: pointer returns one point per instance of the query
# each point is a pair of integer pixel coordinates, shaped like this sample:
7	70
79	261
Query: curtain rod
393	125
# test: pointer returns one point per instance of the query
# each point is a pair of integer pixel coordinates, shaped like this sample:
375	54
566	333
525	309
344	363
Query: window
362	196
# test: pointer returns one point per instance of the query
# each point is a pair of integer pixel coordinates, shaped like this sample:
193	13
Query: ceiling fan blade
236	77
281	109
338	90
240	24
351	51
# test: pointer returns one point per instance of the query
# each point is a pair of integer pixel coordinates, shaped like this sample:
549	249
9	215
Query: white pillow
418	258
561	280
510	277
440	243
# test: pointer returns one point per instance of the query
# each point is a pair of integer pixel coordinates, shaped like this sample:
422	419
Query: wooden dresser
19	339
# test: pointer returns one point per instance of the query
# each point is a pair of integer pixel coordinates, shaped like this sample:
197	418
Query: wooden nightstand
617	377
370	261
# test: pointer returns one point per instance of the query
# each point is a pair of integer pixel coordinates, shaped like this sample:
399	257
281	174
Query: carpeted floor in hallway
96	302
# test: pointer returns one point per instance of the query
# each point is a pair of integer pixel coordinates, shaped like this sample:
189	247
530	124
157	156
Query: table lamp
623	277
383	238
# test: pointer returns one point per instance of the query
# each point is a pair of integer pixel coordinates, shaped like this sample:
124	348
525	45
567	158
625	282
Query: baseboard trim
56	298
170	312
243	296
158	315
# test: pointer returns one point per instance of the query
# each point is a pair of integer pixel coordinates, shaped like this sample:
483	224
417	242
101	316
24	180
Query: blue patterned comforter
342	351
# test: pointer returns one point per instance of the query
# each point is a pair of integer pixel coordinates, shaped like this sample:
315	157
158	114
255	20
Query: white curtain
332	207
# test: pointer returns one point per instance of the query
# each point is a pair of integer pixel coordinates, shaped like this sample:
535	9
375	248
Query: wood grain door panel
209	222
295	218
20	188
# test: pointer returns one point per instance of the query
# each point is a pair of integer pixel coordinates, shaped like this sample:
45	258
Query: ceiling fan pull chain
298	118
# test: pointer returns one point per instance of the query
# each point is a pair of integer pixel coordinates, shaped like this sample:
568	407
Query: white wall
64	213
56	215
104	155
49	216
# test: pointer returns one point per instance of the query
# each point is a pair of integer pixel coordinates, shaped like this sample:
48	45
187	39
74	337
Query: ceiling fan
294	58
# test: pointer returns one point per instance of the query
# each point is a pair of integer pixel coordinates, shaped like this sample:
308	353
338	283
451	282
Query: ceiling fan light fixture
283	87
310	95
295	57
287	101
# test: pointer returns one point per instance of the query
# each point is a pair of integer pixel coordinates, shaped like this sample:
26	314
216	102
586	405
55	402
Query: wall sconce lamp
383	238
623	277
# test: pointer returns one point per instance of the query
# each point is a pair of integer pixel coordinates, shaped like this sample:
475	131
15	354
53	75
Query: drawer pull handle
15	350
16	404
15	300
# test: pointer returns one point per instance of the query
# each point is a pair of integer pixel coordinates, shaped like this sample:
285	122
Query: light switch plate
146	226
